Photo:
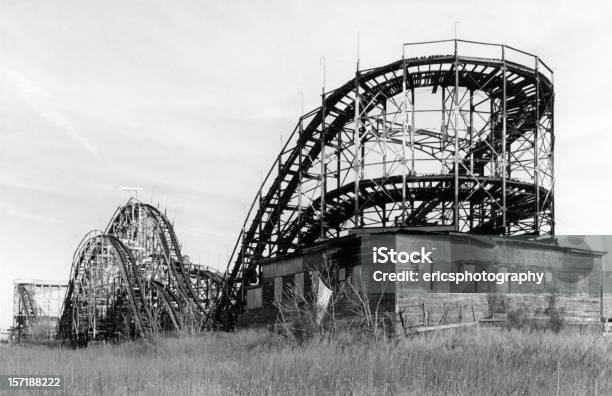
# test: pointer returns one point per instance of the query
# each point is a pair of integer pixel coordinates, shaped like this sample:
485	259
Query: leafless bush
301	318
370	321
190	319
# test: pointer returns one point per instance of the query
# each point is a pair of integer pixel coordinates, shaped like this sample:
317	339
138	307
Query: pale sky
188	100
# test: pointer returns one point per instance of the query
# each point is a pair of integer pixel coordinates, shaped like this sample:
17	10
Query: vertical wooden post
456	148
300	148
536	154
323	163
404	138
278	202
504	139
357	144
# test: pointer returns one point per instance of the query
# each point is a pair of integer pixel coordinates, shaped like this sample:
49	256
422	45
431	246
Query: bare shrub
370	321
302	319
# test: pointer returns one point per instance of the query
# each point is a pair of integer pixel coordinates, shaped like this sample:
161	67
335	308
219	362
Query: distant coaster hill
132	281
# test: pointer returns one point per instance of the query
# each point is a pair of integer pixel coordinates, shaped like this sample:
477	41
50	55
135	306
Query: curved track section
151	238
459	142
105	297
132	281
434	195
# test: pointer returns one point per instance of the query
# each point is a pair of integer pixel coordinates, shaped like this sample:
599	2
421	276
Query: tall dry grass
473	361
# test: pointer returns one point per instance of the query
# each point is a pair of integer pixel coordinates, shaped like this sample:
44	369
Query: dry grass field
475	361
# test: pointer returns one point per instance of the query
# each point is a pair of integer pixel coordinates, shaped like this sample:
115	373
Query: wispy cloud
16	211
40	101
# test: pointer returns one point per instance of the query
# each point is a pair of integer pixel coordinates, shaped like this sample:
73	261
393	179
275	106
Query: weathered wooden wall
575	284
574	280
444	308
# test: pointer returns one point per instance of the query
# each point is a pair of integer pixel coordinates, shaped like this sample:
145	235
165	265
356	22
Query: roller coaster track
132	281
102	258
134	287
482	163
334	174
170	249
431	190
167	300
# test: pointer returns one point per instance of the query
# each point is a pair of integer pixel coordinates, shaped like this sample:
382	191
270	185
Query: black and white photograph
305	197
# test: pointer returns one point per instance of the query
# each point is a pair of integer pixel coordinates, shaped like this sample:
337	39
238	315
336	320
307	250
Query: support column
443	132
278	201
299	219
357	144
243	272
471	131
504	139
494	155
412	131
456	122
404	138
385	139
552	157
338	167
323	164
536	149
471	137
261	215
384	150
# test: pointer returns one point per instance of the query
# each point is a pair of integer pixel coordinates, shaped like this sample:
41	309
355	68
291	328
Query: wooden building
574	282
